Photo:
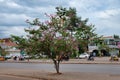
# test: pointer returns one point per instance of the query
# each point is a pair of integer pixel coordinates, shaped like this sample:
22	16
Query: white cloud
104	14
84	6
12	4
13	19
15	30
107	13
1	0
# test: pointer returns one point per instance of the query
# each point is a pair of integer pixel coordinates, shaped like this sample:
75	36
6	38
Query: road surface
98	68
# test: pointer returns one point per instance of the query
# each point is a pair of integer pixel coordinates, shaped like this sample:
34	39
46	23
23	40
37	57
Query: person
15	58
94	54
91	57
21	58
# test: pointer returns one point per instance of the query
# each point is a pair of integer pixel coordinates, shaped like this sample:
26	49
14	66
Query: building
108	42
9	47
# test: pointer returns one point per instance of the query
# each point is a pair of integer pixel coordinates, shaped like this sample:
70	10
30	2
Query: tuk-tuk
114	58
2	58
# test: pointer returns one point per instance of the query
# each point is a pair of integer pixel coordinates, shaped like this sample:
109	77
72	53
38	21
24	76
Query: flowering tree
57	38
51	38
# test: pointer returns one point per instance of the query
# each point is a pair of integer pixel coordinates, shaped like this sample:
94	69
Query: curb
60	63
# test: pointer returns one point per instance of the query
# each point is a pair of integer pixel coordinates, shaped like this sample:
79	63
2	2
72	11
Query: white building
110	42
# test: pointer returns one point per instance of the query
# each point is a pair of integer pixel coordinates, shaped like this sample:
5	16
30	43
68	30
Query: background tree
2	48
2	52
78	28
84	34
116	36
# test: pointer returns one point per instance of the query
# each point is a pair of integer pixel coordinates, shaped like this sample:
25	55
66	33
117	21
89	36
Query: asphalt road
97	68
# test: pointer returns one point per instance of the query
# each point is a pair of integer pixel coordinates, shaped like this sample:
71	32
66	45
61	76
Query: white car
8	57
83	56
26	56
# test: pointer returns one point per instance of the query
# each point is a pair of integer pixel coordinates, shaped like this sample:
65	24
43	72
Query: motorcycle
90	58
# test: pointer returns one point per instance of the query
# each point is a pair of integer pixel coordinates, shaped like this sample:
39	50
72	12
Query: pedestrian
94	54
15	58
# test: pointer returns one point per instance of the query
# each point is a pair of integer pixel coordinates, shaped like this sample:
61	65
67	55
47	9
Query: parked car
8	57
26	56
83	56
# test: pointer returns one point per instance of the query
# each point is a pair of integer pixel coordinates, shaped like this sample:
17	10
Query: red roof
108	37
8	42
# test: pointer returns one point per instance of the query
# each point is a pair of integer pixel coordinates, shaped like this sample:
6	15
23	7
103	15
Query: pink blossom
52	15
59	38
47	22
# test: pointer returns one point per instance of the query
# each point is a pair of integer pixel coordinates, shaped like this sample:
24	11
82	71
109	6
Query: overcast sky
104	14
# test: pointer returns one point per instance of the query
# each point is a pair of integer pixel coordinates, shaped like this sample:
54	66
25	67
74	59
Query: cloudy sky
104	14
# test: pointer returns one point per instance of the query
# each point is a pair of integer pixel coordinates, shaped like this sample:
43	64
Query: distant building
9	46
108	41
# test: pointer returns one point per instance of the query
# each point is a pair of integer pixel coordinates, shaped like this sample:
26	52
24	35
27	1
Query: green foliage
57	37
116	36
2	52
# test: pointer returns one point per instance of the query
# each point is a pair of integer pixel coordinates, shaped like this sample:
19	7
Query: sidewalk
98	60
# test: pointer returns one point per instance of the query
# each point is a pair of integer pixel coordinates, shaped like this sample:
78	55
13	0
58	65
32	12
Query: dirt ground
44	75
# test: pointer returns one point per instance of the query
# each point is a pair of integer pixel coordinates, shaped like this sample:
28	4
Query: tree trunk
56	63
